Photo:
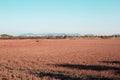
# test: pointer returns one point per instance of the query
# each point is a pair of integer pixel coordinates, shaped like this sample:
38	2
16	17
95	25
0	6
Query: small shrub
37	40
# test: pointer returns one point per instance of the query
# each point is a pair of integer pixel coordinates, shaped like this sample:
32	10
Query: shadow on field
117	72
63	76
111	62
87	67
67	77
57	76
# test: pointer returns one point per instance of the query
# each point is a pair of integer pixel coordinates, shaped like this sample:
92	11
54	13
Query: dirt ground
60	59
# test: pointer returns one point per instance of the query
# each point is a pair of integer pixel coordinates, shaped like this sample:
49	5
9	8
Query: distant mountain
29	34
50	34
116	35
5	35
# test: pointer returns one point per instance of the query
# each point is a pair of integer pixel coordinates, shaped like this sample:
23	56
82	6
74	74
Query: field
60	59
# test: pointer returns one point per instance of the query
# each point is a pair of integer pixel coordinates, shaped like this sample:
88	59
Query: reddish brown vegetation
60	59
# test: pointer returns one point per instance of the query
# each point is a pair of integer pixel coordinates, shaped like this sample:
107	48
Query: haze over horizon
60	16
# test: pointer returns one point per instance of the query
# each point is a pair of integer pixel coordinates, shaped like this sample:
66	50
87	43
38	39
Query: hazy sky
61	16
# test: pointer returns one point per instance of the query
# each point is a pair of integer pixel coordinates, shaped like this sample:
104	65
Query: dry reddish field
60	59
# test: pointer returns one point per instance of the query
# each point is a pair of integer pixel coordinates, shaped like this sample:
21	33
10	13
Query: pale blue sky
60	16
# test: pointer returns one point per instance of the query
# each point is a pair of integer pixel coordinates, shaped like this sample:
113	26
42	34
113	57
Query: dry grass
56	59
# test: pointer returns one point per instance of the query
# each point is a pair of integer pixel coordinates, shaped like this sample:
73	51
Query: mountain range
51	34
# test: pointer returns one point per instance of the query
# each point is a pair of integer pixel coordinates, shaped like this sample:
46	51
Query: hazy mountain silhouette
50	34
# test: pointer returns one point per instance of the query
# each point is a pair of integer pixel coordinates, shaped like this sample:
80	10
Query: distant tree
115	35
101	36
65	36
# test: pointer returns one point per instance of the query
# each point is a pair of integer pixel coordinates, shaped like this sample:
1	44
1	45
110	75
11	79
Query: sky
60	16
